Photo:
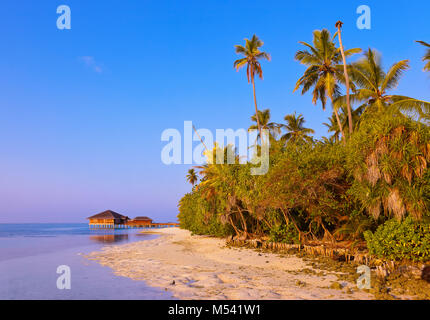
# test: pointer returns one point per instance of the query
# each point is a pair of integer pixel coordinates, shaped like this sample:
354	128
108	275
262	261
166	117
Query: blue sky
82	110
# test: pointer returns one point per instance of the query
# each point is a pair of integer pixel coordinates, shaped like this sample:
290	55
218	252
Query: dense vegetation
407	239
369	181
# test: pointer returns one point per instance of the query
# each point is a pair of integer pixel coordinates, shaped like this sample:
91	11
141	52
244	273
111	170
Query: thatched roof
142	218
109	214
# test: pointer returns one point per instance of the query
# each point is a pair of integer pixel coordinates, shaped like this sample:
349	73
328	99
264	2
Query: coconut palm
265	124
345	71
192	176
426	57
296	132
325	71
374	85
332	125
252	55
213	172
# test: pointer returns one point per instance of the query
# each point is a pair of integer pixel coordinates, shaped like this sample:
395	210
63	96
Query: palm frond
423	43
240	63
393	75
407	104
426	56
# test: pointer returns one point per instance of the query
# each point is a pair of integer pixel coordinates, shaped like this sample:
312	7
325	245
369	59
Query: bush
388	159
197	216
284	234
406	240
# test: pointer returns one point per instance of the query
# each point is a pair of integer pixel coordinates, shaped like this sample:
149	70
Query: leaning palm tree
192	176
296	132
426	57
374	85
345	71
265	124
252	55
325	71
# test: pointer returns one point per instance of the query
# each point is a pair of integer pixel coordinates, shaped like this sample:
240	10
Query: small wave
40	236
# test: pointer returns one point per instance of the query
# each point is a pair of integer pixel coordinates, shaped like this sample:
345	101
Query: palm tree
252	55
192	176
324	72
374	83
345	71
426	56
332	125
265	124
296	132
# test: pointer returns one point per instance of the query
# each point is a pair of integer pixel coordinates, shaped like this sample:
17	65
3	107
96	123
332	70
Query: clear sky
82	110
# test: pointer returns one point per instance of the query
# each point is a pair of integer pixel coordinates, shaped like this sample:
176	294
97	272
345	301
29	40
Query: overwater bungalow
112	220
108	220
140	222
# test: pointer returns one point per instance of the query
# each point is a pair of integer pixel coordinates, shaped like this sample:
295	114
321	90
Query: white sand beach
204	268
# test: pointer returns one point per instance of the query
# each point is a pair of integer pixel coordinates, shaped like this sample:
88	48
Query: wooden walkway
131	226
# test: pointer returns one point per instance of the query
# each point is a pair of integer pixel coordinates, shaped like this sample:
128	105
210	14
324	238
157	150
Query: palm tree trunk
256	110
348	102
338	120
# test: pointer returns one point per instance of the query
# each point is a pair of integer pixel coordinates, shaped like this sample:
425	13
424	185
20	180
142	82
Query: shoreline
201	267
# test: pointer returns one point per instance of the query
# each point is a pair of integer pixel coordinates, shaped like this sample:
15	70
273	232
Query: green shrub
284	234
197	216
406	240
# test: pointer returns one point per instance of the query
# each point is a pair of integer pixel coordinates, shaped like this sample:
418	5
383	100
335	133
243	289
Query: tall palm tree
345	71
296	132
192	176
325	71
426	57
252	55
374	85
265	124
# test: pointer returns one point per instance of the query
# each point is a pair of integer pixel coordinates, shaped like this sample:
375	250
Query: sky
82	110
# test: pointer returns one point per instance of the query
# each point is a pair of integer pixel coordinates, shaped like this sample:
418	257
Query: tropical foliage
264	120
404	240
426	57
371	184
325	72
375	84
192	176
252	56
296	132
389	158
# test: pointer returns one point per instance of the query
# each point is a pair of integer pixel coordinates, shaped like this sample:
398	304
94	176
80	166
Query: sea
46	261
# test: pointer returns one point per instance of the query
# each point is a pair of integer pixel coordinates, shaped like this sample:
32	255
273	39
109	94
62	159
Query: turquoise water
31	253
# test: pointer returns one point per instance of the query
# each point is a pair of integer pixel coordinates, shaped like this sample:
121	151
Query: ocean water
31	253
